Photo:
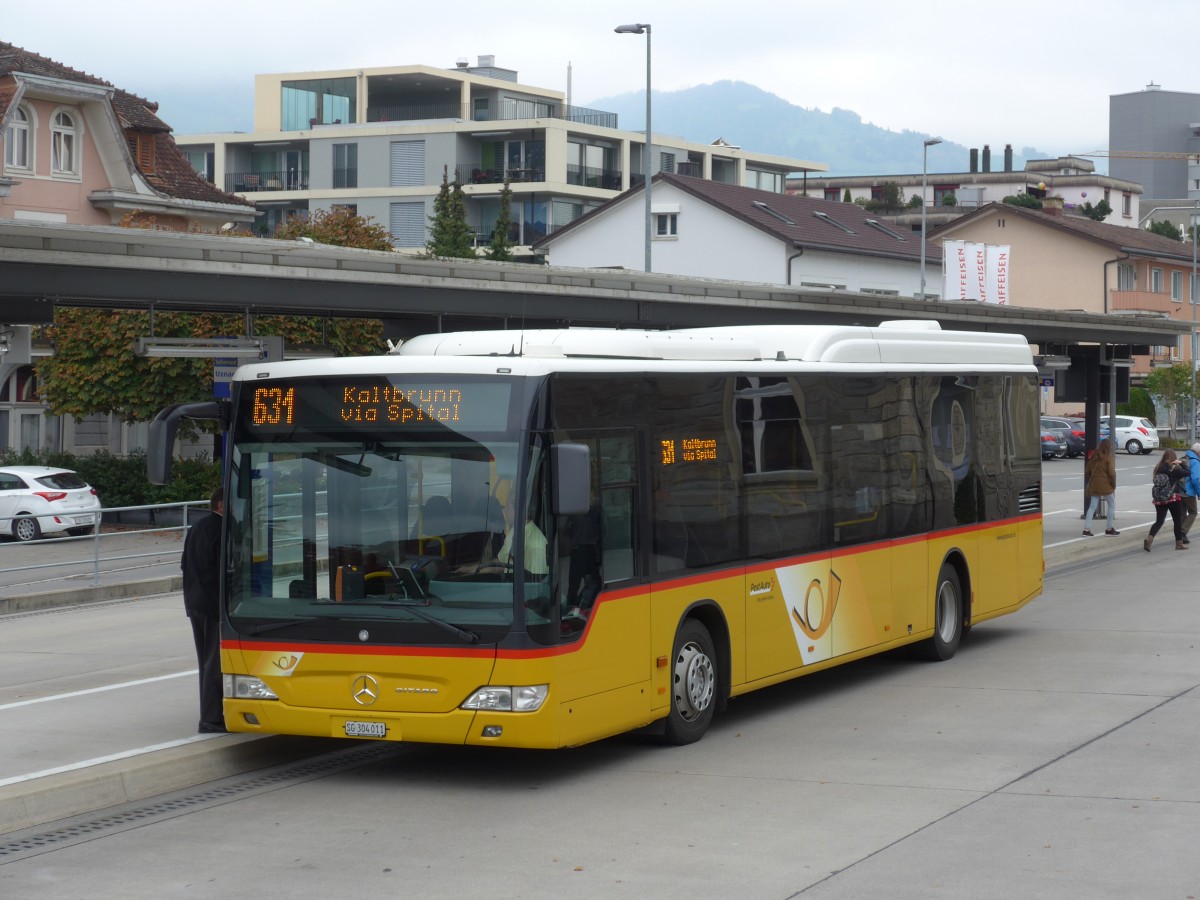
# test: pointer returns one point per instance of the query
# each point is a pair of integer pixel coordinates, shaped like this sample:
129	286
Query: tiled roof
794	220
1119	237
173	175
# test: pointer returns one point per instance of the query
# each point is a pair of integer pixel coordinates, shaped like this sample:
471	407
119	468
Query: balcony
1142	302
504	111
590	176
250	182
475	173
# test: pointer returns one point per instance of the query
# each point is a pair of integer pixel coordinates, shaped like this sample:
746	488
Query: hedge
121	480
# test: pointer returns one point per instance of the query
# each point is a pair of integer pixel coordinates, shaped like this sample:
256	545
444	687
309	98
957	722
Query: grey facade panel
1153	120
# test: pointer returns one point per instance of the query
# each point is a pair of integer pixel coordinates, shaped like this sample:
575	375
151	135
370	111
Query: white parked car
37	500
1135	434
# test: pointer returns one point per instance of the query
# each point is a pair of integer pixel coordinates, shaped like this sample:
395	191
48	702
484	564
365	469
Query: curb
77	596
97	787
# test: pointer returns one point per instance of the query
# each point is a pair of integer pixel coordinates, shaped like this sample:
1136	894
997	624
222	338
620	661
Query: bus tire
947	617
693	684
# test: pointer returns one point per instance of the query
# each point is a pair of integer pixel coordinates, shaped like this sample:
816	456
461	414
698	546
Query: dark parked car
1071	433
1052	445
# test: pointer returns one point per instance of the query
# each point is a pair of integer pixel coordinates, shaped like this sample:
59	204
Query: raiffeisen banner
973	271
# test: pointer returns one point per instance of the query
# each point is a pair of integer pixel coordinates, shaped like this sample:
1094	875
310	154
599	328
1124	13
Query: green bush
121	481
1140	404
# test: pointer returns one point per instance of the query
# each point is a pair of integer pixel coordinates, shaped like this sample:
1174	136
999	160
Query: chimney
1053	206
987	158
1008	157
974	160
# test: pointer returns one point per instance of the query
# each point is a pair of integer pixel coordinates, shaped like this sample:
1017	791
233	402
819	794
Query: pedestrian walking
1100	481
1166	494
1191	488
201	564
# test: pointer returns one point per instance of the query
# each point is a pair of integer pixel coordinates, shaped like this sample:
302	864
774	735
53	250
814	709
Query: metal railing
250	182
160	519
503	111
475	173
591	176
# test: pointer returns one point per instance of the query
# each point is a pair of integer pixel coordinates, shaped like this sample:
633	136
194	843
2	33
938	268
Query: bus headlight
522	698
246	687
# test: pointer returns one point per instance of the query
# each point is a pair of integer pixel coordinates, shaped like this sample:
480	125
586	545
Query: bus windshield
393	529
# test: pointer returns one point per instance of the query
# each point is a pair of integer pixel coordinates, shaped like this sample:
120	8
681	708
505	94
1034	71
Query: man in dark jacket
201	566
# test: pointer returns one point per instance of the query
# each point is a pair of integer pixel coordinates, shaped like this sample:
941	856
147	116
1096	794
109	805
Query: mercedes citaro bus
543	538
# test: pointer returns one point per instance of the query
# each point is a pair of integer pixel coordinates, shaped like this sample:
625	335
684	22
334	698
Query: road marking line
111	687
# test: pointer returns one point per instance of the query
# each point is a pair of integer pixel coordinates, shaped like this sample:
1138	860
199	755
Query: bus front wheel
947	617
693	684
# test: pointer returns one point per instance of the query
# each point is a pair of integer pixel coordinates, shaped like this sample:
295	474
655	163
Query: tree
339	226
1099	212
1172	386
1166	229
846	198
500	248
449	233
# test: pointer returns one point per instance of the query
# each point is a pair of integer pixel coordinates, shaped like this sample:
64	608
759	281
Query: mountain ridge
755	119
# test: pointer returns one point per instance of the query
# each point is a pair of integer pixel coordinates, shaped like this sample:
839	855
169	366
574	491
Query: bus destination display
326	403
686	450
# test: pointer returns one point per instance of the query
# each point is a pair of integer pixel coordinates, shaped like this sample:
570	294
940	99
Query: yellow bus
544	538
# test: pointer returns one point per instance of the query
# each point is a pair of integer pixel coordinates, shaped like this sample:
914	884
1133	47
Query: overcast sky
1022	72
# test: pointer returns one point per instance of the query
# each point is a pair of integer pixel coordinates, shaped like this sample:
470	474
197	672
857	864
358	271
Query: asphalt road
1053	757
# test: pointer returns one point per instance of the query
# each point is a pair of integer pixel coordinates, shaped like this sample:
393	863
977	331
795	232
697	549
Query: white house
712	230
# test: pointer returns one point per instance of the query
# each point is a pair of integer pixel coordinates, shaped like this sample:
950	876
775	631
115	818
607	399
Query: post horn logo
818	614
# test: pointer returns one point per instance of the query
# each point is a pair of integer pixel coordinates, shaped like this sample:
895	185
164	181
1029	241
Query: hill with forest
754	119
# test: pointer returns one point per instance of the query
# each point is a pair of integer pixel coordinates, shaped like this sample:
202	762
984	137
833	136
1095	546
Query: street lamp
1195	228
924	186
644	28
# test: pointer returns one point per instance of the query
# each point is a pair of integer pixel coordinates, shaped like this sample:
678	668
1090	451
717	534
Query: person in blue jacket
1191	487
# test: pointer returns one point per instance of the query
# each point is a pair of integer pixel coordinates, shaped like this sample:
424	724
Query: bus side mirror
571	472
161	446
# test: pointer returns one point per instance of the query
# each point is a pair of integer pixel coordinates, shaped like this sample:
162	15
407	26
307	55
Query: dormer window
141	148
18	141
64	146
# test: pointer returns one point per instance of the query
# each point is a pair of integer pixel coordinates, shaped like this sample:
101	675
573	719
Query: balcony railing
590	176
345	177
474	173
249	182
505	110
1142	301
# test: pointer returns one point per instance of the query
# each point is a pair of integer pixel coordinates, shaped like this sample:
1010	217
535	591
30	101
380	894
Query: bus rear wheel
693	684
947	617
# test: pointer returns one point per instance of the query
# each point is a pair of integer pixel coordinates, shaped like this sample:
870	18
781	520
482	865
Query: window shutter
407	224
407	164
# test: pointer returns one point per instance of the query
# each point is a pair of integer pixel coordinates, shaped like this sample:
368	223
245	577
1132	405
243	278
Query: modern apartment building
379	140
1154	139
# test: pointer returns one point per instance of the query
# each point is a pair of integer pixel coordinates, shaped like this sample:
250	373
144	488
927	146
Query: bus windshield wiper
462	634
276	626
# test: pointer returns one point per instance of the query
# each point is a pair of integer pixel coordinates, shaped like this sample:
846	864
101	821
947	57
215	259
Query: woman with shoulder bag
1166	493
1100	479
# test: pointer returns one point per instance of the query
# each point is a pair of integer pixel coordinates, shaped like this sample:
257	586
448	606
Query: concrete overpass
46	265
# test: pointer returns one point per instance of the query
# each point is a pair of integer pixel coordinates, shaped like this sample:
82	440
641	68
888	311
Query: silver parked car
37	500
